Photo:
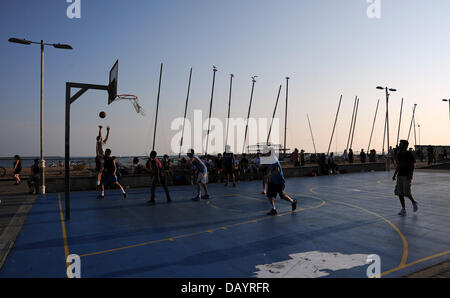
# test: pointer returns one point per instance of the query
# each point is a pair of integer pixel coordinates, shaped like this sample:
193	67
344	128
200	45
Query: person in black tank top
109	175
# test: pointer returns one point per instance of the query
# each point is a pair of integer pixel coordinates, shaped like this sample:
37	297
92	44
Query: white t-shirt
100	148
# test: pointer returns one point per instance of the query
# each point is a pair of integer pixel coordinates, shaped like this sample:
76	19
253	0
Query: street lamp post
388	161
42	44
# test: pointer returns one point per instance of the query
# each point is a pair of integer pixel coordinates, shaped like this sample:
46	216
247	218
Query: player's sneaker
196	199
206	197
415	206
402	213
272	212
125	196
234	184
151	202
100	197
294	205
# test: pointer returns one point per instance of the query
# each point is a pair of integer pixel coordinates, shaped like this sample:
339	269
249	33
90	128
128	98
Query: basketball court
339	222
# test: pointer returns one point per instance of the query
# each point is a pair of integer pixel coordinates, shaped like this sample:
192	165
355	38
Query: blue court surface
340	221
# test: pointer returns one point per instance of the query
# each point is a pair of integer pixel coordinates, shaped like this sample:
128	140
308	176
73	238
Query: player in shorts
229	164
276	185
404	175
157	175
100	154
109	175
202	176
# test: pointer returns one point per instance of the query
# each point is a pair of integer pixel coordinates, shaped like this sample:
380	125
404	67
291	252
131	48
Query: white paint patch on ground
310	265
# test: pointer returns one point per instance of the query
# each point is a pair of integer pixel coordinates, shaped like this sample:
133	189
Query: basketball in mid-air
102	115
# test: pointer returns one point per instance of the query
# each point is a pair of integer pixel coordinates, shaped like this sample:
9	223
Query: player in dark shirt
404	175
158	175
109	175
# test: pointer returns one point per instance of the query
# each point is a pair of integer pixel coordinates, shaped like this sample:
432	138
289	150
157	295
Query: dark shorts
99	164
109	178
228	170
17	171
274	189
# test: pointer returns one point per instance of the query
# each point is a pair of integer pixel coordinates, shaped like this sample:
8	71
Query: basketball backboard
113	78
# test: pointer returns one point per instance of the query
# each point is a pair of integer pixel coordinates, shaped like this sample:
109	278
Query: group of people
107	170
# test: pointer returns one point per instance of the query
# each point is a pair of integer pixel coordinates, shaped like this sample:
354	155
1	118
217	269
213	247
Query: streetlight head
62	46
380	88
393	90
20	41
445	100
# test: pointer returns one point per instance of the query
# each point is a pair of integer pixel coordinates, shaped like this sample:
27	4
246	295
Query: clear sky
327	47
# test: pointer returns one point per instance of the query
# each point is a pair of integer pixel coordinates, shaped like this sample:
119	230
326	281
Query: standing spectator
444	153
243	165
33	183
219	168
430	153
167	168
350	156
135	165
294	158
373	156
331	164
345	156
302	158
229	163
362	156
17	169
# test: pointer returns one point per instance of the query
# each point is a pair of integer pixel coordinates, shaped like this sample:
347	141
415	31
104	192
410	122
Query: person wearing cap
276	186
202	176
404	175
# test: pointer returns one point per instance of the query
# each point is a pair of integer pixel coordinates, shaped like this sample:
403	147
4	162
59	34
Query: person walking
404	175
17	168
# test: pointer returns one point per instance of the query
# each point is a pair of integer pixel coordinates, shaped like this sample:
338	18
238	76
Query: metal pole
415	136
351	124
412	121
249	110
334	127
373	125
286	115
274	112
384	134
387	130
210	108
354	124
399	122
67	154
229	108
420	142
157	106
42	119
185	111
312	136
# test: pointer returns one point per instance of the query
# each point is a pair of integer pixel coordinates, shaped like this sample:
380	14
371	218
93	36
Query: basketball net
134	100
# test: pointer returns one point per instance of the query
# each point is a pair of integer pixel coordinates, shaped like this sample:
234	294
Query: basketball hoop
134	99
